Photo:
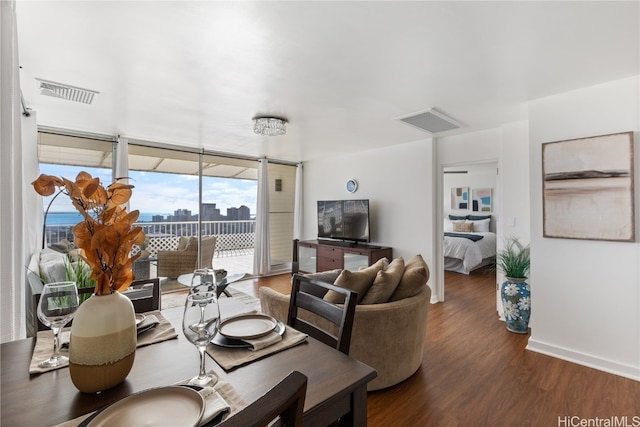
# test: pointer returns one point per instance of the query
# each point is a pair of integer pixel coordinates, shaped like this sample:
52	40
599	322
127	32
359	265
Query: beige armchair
185	259
389	337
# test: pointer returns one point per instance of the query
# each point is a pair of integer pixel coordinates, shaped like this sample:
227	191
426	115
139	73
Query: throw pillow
359	281
192	245
463	227
385	283
414	278
182	243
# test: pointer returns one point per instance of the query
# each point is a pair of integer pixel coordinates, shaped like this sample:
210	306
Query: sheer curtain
19	167
297	205
262	254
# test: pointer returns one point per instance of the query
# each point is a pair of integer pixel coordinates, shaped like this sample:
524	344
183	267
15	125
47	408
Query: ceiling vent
71	93
432	121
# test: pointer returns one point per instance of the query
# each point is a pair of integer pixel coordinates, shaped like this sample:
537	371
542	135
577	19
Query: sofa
388	334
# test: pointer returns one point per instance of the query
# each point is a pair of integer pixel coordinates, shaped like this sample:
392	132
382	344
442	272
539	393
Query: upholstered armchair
185	258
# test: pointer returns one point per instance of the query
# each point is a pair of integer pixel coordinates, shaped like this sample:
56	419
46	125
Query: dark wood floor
476	373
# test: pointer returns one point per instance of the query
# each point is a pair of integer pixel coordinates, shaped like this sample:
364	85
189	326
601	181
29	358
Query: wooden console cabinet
316	255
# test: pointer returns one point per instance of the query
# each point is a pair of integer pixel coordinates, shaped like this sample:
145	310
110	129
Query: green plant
80	273
144	244
514	260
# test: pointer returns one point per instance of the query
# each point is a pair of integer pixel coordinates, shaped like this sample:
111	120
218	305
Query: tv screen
343	220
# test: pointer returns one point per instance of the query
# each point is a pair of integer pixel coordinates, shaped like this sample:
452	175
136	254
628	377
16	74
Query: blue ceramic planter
516	301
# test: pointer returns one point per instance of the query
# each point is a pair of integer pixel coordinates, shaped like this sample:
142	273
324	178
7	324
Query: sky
163	193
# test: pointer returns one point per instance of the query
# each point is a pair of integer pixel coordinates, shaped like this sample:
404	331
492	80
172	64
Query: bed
468	244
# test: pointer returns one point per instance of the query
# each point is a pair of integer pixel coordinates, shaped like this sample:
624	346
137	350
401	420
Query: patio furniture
185	258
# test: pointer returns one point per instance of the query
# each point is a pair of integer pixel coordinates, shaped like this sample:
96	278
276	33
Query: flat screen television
346	220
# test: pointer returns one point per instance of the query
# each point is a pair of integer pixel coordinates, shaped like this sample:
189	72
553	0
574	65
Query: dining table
337	383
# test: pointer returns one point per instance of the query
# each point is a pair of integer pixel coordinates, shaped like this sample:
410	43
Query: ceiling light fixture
269	126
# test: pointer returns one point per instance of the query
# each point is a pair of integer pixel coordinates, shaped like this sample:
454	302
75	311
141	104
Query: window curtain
297	205
20	207
262	253
122	162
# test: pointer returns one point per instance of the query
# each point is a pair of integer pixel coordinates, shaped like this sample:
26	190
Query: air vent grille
432	121
64	91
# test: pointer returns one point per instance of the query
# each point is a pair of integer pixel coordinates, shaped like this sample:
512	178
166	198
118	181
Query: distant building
210	212
238	214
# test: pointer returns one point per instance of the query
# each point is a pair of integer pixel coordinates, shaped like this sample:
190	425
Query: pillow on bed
478	217
463	227
481	226
457	217
448	224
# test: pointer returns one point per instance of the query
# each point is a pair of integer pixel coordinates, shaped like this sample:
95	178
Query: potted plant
103	334
514	261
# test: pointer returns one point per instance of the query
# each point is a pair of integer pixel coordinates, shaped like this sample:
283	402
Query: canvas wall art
460	198
481	200
588	188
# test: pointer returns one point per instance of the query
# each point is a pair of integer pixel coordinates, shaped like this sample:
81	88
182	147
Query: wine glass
200	324
57	306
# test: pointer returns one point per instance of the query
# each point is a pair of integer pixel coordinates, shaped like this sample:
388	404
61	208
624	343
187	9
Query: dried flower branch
106	235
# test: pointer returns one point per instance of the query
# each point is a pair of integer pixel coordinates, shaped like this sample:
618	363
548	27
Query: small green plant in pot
514	261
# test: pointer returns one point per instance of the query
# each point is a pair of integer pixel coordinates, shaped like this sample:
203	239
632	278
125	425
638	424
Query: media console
319	255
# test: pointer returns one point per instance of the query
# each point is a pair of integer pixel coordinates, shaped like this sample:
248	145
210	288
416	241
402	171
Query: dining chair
282	405
306	294
295	262
142	298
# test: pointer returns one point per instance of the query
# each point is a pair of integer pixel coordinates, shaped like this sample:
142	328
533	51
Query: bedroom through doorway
470	200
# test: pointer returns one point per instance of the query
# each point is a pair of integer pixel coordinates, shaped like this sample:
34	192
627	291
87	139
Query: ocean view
72	218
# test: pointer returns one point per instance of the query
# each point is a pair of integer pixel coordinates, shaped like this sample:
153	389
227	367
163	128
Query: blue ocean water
72	218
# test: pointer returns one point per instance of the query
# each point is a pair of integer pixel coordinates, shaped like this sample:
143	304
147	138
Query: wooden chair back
140	305
295	264
305	295
284	404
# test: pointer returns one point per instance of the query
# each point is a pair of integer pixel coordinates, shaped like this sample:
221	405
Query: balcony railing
232	236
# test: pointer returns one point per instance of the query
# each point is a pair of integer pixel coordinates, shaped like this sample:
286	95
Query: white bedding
469	252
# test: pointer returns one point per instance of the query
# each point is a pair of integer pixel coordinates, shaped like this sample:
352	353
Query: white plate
247	326
169	406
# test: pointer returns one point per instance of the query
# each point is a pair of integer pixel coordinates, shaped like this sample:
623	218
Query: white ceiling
342	73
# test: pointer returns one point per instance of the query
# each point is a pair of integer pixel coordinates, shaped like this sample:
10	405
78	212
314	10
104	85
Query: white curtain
297	205
262	254
18	226
122	162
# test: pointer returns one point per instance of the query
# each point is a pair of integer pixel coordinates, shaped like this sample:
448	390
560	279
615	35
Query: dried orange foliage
107	234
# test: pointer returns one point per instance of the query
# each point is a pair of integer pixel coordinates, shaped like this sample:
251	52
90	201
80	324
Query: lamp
269	126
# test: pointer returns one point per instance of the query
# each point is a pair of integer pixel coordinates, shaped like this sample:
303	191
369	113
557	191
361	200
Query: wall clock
352	186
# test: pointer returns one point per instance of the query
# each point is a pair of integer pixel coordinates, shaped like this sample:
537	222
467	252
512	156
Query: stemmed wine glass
200	324
57	306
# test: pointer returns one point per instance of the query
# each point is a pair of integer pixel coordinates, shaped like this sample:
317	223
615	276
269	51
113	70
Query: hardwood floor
476	373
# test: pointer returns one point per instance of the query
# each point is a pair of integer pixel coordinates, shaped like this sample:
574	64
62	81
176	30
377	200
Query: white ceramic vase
103	342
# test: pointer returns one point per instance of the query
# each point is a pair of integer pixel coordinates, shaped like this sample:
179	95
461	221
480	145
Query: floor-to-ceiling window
180	193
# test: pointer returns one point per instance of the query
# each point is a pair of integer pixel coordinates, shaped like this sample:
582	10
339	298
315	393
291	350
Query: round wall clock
352	186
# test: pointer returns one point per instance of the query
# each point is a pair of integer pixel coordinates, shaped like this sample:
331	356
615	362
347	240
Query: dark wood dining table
337	384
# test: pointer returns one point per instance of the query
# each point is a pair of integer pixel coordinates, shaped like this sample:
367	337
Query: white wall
398	181
585	294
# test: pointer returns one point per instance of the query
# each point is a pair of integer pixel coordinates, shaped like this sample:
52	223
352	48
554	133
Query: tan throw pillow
463	227
359	281
385	283
192	245
182	243
414	278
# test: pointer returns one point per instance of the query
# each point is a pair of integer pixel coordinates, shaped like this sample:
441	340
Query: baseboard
612	367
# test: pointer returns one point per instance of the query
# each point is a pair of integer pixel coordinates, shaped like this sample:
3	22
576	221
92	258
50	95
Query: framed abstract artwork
588	188
460	198
481	200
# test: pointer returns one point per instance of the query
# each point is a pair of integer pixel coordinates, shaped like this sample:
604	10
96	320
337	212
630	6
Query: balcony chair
185	259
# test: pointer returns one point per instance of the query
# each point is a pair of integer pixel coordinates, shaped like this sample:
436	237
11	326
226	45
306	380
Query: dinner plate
223	341
172	405
247	326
